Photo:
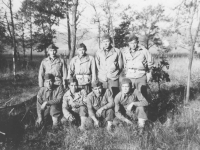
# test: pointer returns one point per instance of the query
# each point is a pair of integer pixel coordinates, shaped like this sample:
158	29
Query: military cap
52	46
48	76
96	83
72	80
126	81
132	37
106	37
82	45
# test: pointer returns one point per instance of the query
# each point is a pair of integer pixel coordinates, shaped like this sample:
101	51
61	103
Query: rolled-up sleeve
93	69
97	60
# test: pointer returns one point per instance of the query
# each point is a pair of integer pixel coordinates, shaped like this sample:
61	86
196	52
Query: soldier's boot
83	122
141	124
110	126
55	122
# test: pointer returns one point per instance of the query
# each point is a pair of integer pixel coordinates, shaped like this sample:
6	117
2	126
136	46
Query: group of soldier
92	89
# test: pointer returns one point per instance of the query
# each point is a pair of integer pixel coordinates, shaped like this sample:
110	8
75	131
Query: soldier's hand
149	76
43	105
38	122
99	112
71	118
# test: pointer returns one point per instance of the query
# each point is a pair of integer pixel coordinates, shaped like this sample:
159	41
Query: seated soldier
128	102
100	103
73	106
49	101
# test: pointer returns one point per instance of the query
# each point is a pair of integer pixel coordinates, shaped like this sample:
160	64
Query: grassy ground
174	127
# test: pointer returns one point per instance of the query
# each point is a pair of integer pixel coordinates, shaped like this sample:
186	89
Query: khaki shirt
125	100
73	101
83	66
94	103
109	66
52	96
137	63
57	67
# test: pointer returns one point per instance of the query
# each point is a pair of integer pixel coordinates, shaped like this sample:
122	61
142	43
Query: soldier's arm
71	69
41	74
93	69
117	109
65	107
39	103
58	98
90	109
110	103
141	99
150	59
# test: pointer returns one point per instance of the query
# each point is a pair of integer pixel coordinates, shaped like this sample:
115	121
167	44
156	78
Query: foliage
121	33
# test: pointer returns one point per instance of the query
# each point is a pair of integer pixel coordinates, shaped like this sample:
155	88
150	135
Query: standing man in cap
49	101
100	103
128	102
138	63
53	65
73	106
83	68
109	64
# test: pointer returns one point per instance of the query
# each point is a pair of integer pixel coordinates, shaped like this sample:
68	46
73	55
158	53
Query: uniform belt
137	69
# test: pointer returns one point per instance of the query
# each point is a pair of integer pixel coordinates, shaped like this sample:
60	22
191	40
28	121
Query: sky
88	12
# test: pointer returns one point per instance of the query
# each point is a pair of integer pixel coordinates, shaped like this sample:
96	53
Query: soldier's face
52	53
73	87
81	52
126	88
97	90
48	83
106	43
133	44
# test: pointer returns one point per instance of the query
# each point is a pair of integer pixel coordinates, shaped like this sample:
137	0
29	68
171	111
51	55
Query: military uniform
84	70
122	101
56	67
109	66
74	104
53	97
136	66
105	100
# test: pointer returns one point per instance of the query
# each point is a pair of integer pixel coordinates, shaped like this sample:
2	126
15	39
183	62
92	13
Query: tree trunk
68	28
193	41
14	40
73	28
31	34
99	30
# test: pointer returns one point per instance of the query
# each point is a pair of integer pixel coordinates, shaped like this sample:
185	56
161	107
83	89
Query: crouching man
128	103
49	101
100	103
73	106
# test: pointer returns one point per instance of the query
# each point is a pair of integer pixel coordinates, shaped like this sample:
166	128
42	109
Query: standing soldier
100	105
138	63
83	68
109	64
49	101
73	106
128	102
53	65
